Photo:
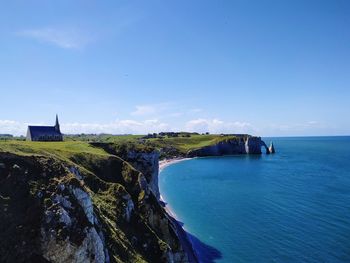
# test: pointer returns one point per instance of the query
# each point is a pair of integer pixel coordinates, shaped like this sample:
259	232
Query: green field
185	144
82	144
102	138
62	150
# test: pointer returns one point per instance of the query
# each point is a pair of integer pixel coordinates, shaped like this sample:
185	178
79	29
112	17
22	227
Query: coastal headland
96	198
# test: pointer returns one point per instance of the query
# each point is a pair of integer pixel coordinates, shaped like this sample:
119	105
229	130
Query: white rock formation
59	251
62	217
148	165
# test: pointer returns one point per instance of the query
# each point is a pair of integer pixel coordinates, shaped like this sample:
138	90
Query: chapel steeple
57	124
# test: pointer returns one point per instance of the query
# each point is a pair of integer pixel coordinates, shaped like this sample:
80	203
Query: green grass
62	150
81	144
184	144
102	138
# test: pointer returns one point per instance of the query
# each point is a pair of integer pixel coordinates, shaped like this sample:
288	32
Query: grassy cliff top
184	144
59	149
82	144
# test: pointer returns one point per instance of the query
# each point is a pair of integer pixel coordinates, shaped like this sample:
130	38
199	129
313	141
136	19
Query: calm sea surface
293	206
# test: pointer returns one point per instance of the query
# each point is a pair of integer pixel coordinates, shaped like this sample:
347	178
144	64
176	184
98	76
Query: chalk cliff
143	159
148	164
241	145
272	148
85	209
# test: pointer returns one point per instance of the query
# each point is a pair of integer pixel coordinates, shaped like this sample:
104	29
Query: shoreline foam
167	162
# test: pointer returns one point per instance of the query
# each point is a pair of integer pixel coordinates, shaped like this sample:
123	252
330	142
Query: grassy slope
80	144
62	150
184	144
102	138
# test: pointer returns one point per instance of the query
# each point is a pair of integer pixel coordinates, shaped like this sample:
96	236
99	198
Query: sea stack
272	148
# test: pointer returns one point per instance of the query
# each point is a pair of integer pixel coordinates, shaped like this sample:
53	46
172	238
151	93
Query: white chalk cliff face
249	145
71	231
148	165
105	211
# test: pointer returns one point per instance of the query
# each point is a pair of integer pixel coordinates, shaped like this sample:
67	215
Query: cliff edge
88	208
237	145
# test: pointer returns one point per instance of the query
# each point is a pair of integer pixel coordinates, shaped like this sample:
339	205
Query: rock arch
263	144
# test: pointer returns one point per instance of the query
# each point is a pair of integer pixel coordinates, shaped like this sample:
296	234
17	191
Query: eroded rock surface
98	209
241	145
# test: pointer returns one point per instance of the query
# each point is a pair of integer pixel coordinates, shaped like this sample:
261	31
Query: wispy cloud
142	110
12	127
150	125
115	127
67	38
130	126
158	109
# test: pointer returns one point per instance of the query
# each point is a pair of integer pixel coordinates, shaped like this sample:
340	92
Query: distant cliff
239	145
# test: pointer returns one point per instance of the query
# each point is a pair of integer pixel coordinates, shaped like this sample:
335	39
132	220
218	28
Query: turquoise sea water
293	206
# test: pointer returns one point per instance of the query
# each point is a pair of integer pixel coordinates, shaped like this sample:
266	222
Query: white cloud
218	126
164	109
130	126
64	38
12	127
142	110
116	127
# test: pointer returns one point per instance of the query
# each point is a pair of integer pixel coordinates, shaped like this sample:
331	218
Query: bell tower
57	125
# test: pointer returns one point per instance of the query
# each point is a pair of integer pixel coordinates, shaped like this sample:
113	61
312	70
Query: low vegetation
185	144
168	144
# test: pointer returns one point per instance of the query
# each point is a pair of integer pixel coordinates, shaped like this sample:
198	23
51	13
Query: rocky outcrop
72	214
239	145
253	145
143	159
272	148
148	164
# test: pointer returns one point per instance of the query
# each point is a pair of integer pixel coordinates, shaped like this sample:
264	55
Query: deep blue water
293	206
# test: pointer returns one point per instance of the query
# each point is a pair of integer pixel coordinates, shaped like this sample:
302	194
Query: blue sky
270	68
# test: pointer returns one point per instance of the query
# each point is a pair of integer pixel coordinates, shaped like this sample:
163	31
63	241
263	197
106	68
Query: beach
162	164
166	162
181	232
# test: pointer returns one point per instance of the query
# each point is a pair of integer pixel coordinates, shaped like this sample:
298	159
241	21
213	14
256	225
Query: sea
291	206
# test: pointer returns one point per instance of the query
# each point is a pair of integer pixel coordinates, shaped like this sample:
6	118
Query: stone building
45	133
